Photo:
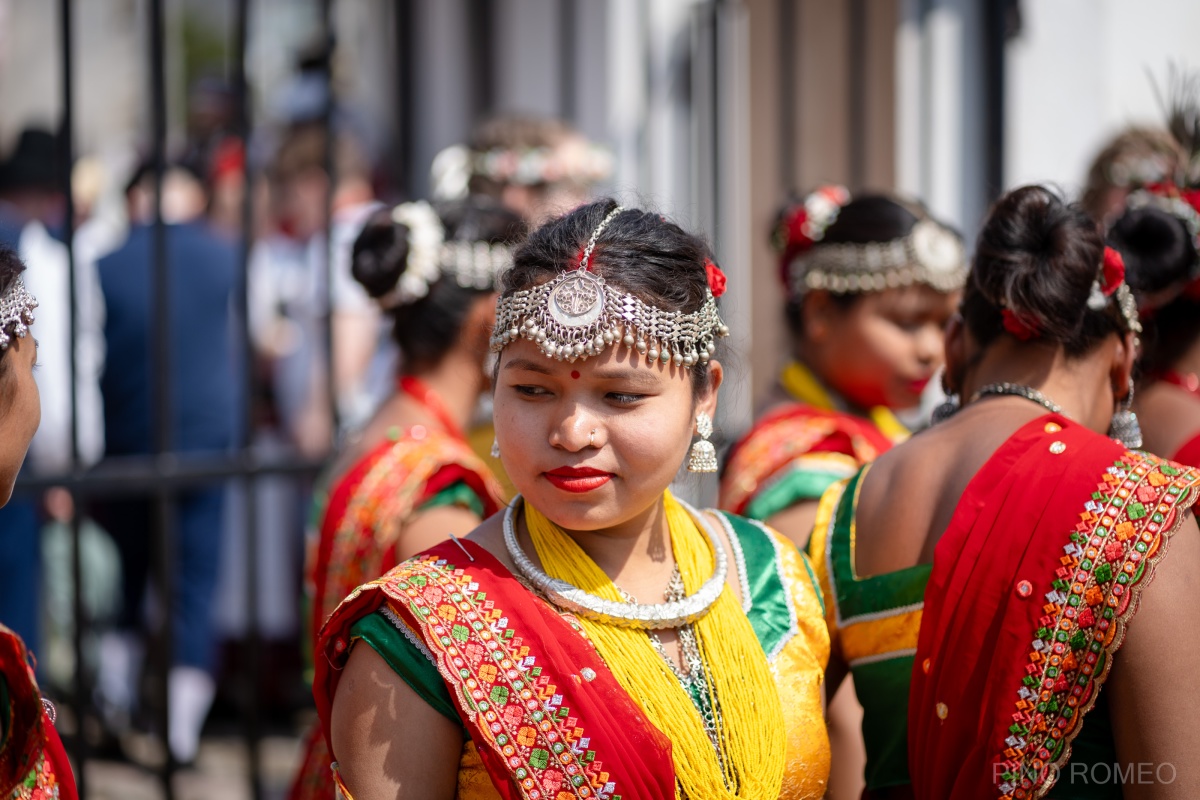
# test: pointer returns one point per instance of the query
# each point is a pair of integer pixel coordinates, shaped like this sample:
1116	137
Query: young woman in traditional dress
870	284
1159	236
1022	540
600	638
33	764
409	479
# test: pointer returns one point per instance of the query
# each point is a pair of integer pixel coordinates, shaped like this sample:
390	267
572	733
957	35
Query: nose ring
592	437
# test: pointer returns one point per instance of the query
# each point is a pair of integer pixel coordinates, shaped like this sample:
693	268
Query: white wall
1080	72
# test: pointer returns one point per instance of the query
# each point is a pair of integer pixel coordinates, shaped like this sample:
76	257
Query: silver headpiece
578	315
929	254
473	265
16	313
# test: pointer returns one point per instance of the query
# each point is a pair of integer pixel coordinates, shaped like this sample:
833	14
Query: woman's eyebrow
529	365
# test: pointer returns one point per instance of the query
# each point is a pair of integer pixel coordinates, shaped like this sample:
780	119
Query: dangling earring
948	407
495	448
1124	427
704	455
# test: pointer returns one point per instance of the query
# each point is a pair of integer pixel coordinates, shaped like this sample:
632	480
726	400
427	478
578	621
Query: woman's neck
622	548
1081	387
456	383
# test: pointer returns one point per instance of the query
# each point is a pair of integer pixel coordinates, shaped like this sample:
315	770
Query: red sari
360	526
33	764
547	716
1033	585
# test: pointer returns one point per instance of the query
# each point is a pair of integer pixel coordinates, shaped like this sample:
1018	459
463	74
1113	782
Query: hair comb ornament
473	265
578	315
16	313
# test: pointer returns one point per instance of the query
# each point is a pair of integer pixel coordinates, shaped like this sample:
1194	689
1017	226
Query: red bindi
575	374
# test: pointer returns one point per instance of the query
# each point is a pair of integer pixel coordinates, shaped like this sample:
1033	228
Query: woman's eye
530	391
622	399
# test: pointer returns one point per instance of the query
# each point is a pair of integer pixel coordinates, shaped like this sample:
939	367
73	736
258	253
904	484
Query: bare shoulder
1170	418
490	536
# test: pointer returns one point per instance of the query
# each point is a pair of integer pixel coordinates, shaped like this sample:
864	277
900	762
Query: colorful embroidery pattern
40	784
1107	563
790	434
380	506
509	697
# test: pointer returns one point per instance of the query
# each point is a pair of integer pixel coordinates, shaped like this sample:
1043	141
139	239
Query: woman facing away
599	638
870	284
1025	540
1158	237
409	479
33	764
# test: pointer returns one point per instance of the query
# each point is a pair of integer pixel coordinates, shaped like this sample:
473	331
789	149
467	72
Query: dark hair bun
1157	249
1036	256
380	253
870	218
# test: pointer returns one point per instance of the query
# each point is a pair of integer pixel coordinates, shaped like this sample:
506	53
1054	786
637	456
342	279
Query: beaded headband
473	265
929	254
16	313
577	315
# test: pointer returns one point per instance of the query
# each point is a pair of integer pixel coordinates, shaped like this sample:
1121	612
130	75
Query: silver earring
704	455
1124	427
495	448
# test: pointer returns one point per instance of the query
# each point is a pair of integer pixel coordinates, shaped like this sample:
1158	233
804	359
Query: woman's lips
918	386
577	479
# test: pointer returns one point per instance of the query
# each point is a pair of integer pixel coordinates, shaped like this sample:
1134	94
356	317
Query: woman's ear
817	311
1121	372
956	355
708	400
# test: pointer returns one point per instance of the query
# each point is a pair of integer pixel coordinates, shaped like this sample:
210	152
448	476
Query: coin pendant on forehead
578	300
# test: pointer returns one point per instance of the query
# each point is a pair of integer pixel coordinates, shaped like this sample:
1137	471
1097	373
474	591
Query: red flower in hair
1114	271
1020	326
716	278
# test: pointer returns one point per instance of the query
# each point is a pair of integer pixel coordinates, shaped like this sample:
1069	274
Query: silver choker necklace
647	616
1018	390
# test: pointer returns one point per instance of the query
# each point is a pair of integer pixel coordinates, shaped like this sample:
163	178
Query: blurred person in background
33	764
1134	158
1159	236
32	214
870	282
408	479
204	387
537	167
288	291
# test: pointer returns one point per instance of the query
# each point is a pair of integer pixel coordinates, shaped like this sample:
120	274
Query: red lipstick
577	479
918	386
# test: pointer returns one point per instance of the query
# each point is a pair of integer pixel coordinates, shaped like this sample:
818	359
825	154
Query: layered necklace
721	711
1018	390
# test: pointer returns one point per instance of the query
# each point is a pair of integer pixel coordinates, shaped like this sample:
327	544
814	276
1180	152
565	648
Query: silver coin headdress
578	315
16	313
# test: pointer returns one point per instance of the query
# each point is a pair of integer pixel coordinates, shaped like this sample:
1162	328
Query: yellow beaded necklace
750	723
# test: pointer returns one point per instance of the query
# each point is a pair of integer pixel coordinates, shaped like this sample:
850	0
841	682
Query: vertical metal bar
480	28
995	31
406	105
161	337
79	698
717	109
252	675
568	46
856	51
788	139
925	99
327	121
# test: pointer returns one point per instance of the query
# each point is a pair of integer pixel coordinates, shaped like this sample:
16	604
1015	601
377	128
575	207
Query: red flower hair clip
716	278
1020	325
1113	272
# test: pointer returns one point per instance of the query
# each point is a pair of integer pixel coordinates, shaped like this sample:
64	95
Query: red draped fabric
33	764
1033	583
524	679
1190	453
